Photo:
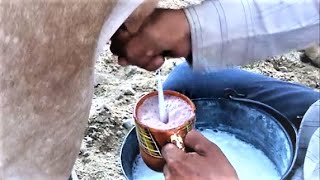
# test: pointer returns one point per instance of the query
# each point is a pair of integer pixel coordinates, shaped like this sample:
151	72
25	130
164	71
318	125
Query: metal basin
250	121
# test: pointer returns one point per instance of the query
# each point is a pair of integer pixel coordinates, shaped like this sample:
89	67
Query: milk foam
249	162
178	112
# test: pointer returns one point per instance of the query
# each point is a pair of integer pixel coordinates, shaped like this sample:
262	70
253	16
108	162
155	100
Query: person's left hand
206	163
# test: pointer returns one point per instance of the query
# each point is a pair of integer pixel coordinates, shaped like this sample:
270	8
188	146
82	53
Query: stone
283	69
86	154
313	53
129	91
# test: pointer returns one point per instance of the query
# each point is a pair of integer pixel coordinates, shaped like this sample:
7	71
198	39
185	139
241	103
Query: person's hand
206	163
165	33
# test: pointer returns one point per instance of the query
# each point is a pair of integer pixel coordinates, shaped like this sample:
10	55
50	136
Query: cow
48	50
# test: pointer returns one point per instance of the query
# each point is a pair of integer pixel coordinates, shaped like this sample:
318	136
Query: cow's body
46	83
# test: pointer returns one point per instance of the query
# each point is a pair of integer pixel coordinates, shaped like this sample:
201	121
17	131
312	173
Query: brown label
149	144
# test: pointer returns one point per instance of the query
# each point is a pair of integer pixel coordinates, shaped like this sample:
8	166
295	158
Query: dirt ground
118	88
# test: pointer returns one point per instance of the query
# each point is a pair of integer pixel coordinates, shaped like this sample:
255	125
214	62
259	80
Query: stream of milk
249	162
162	106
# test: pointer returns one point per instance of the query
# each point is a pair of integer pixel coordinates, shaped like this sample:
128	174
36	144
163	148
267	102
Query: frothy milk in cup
153	133
178	112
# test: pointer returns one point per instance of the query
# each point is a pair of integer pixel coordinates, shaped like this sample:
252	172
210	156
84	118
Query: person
214	37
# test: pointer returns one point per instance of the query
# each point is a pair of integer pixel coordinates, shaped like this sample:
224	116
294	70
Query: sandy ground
118	88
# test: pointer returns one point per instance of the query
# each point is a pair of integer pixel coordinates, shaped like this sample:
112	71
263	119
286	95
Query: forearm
230	33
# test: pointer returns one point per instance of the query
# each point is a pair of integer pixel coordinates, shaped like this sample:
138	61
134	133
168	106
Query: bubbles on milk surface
249	162
178	112
141	171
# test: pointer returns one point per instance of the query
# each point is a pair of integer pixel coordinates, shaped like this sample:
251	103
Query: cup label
148	143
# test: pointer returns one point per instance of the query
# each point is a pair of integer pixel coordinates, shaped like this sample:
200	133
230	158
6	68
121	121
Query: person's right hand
207	162
165	33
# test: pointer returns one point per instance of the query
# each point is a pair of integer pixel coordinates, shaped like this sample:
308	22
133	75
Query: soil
118	88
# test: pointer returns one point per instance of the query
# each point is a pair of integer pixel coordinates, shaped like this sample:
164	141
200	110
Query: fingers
174	158
155	63
201	145
166	172
132	51
172	153
138	51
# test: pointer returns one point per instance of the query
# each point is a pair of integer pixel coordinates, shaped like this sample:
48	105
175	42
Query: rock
316	62
86	160
81	151
119	133
89	140
283	69
276	67
128	91
128	124
86	154
130	71
119	97
313	53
